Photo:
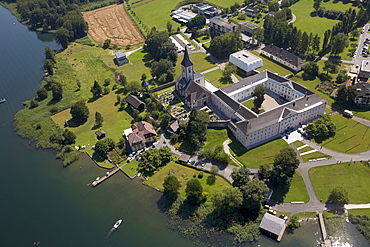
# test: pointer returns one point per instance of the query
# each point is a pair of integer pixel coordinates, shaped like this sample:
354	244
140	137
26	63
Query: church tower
187	67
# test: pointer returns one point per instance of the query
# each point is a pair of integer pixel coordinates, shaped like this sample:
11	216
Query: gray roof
222	22
120	55
252	9
184	158
134	101
186	62
145	83
363	89
245	82
194	91
284	54
272	224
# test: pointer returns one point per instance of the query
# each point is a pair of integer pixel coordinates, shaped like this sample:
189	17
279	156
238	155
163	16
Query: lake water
42	202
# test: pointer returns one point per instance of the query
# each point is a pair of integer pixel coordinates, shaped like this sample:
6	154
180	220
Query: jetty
327	241
108	175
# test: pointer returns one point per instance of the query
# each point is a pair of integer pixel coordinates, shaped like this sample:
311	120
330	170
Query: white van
348	113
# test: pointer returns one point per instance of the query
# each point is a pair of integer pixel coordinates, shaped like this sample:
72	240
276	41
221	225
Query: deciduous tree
240	176
338	195
79	112
194	191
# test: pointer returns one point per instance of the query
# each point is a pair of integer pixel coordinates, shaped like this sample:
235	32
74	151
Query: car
202	164
268	207
282	216
271	211
285	218
192	162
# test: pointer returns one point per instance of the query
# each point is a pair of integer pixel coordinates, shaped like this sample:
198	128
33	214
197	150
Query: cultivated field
112	22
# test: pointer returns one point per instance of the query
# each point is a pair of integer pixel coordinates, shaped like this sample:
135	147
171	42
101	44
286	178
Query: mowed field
112	22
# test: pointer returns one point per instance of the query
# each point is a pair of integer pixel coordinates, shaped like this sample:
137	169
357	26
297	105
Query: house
284	57
252	11
121	58
145	84
364	72
206	10
273	226
248	28
245	61
363	94
222	25
135	103
183	16
100	134
191	85
184	158
140	136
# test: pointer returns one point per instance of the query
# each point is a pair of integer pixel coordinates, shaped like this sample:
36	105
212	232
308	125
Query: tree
98	119
104	146
227	201
222	46
165	119
153	158
49	53
330	67
338	43
106	44
196	129
197	22
96	90
327	35
194	191
169	27
57	90
346	95
254	193
69	137
342	76
227	72
163	70
143	77
355	33
122	80
311	70
171	187
49	66
79	112
42	93
338	195
62	36
259	34
132	86
159	45
240	176
317	4
274	6
285	164
265	170
259	94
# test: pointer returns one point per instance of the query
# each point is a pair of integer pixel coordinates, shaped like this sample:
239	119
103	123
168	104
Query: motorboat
2	100
117	224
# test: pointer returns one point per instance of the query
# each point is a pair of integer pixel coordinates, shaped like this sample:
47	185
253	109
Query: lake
43	203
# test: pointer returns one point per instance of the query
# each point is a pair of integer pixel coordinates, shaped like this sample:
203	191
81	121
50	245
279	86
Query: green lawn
249	103
201	62
305	149
272	65
354	177
338	5
298	144
306	23
184	174
364	211
131	168
115	121
351	136
296	193
215	137
136	67
214	77
259	22
315	155
262	154
203	39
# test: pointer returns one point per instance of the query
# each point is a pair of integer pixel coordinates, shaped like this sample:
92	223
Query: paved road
358	58
294	18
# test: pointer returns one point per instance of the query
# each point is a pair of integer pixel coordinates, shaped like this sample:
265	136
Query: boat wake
109	233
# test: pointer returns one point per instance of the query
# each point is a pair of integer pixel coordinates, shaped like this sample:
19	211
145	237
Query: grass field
317	25
215	137
365	211
131	168
354	177
201	62
338	5
137	66
296	193
184	174
298	144
262	154
351	136
305	149
272	66
115	121
249	104
315	155
214	77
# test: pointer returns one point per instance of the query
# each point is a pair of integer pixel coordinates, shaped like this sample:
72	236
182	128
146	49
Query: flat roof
365	66
249	24
245	56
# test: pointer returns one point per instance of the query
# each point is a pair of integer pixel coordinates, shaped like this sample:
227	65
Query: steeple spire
186	61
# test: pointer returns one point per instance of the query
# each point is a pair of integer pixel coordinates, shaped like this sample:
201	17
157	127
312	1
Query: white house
245	61
284	57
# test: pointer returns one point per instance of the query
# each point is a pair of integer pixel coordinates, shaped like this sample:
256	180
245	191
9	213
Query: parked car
271	211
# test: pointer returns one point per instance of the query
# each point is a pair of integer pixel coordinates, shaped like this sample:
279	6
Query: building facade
284	57
222	25
245	61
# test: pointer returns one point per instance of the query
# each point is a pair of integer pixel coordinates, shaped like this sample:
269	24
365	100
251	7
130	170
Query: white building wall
244	65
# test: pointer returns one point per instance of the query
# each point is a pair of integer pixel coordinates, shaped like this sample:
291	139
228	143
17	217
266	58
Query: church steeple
187	67
186	61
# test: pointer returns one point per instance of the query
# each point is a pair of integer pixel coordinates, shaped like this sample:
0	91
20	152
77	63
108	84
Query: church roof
186	61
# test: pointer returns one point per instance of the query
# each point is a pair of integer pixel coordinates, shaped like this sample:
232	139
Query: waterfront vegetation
359	211
297	191
184	174
362	224
353	176
335	224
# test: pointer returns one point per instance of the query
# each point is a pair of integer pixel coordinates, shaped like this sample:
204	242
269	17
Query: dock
102	179
327	241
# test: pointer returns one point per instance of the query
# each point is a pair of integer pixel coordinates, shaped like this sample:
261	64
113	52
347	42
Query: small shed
121	58
145	84
100	134
174	126
135	102
273	226
184	158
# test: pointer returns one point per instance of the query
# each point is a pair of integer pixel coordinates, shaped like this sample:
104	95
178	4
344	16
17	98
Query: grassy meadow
272	66
353	176
296	193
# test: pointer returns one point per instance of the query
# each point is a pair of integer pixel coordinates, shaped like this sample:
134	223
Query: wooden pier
111	173
327	241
